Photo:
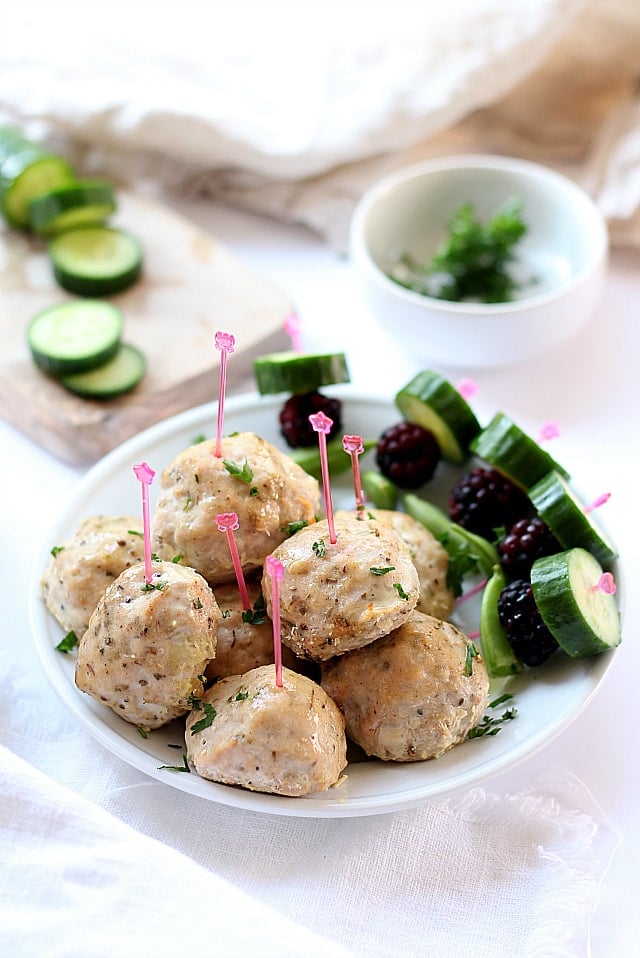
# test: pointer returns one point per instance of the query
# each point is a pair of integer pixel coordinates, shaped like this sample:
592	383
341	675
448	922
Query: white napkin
76	882
491	874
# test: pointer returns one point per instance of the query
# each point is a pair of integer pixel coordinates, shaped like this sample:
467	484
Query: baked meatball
411	695
336	597
84	565
265	488
243	642
430	558
147	646
288	740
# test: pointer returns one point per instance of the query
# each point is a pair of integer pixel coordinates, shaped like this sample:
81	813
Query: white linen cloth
483	873
293	108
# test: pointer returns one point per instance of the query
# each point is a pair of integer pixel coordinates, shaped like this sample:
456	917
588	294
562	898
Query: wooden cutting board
191	287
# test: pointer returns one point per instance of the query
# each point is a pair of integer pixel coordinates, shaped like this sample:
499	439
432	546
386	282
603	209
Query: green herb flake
177	558
68	643
258	614
381	569
491	724
177	768
244	472
294	526
319	548
209	715
135	532
403	595
241	696
142	732
472	653
56	550
198	439
150	586
188	504
254	491
226	613
197	603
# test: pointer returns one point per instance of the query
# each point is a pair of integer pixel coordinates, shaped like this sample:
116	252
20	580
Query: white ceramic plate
547	699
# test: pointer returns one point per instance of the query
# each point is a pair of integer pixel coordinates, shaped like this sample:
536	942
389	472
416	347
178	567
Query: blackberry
294	417
408	455
526	541
528	636
484	500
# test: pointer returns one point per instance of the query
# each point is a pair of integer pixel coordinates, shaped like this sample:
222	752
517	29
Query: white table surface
591	391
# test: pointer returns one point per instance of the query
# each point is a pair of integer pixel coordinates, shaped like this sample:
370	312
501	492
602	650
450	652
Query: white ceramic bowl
564	252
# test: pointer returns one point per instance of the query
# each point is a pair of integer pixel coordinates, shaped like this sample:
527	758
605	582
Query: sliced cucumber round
72	337
582	617
299	372
114	378
25	174
430	401
513	453
379	490
77	204
497	652
96	260
560	508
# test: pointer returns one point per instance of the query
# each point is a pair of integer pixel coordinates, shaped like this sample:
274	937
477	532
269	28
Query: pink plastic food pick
226	343
355	446
144	473
606	583
467	388
600	501
549	430
292	329
275	570
228	522
322	425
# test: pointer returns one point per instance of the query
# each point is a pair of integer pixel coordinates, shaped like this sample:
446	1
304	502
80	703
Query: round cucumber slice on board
581	615
114	378
560	508
290	372
26	174
75	336
430	401
513	453
77	204
96	260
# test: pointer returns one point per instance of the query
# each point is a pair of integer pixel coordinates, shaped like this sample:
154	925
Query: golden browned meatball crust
430	558
336	597
287	740
147	645
244	640
265	488
84	565
411	695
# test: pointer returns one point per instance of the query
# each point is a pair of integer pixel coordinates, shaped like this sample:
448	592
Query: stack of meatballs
369	658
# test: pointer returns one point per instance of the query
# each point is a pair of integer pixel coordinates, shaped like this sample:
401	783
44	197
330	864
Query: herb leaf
244	472
319	548
398	587
472	653
67	643
209	715
177	768
381	570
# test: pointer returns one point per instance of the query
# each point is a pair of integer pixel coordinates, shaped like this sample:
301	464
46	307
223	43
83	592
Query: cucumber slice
114	378
560	508
497	652
75	336
96	260
381	491
299	372
308	457
583	619
26	174
509	450
78	204
430	401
